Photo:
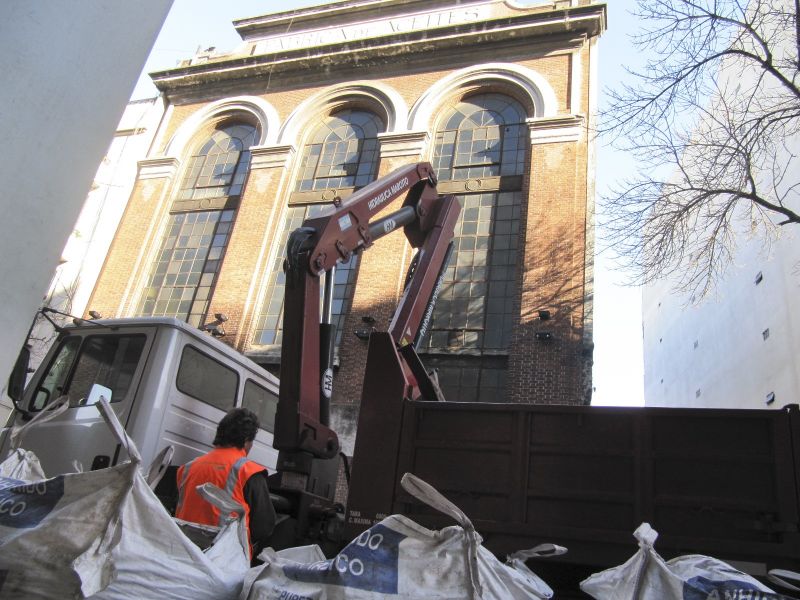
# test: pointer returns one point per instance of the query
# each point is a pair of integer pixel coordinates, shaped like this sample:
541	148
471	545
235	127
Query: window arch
481	139
202	214
482	136
342	153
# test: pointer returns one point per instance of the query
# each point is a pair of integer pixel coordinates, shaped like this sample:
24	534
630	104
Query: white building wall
68	70
736	348
91	237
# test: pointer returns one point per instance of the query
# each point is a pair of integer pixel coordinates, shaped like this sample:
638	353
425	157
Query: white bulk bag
104	535
397	558
784	579
22	464
647	576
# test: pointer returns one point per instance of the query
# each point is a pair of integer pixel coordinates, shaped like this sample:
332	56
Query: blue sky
194	24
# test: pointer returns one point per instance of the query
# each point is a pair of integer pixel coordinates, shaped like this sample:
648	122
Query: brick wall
551	265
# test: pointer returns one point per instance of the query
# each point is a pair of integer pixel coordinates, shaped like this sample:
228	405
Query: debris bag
23	464
104	535
647	576
785	579
397	558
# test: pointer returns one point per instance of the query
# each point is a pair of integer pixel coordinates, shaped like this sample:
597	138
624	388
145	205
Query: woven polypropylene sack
647	576
104	535
397	558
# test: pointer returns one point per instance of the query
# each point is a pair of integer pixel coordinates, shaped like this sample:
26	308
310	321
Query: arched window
482	139
342	154
201	218
483	136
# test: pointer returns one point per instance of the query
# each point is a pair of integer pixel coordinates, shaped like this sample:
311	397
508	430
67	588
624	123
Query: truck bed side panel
716	482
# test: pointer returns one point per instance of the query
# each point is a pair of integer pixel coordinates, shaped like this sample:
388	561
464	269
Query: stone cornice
559	129
271	157
335	14
538	33
409	143
366	12
158	168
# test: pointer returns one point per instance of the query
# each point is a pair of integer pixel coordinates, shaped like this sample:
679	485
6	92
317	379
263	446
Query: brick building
316	103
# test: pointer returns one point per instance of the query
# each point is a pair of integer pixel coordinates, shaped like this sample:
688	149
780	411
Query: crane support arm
313	251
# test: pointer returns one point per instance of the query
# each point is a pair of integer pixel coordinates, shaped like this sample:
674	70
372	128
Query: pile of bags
104	535
398	558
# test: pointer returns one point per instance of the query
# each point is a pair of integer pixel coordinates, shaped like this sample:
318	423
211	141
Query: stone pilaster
258	222
130	256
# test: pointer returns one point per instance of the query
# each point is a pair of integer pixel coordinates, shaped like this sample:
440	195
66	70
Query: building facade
318	102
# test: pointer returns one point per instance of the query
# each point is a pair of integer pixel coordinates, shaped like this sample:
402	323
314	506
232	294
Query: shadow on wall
549	360
551	357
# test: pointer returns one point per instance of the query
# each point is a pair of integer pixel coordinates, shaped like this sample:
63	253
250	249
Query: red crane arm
314	249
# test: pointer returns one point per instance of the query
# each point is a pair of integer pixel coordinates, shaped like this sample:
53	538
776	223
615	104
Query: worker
227	467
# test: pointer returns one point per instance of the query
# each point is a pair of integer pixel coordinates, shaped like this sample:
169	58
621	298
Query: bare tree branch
713	121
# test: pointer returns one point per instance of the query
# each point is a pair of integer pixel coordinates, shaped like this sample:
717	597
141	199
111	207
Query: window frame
247	381
69	376
309	183
220	208
448	173
235	399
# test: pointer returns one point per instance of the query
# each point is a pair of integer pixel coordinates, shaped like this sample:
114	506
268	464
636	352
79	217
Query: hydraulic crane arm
301	426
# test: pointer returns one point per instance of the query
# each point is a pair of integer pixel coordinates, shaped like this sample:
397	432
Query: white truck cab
170	385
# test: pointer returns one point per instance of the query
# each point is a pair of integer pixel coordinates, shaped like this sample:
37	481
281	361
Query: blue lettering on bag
702	588
370	562
24	505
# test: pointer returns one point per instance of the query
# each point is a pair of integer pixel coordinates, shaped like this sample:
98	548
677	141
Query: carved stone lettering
372	29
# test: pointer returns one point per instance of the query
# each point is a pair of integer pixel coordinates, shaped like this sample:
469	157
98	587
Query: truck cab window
206	379
262	402
53	382
109	360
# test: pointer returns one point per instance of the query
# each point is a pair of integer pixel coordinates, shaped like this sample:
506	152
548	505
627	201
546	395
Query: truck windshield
80	362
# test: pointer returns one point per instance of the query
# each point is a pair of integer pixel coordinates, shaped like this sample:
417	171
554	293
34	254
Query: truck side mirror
16	381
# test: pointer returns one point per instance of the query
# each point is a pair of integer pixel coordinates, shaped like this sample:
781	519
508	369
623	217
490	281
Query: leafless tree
712	121
60	296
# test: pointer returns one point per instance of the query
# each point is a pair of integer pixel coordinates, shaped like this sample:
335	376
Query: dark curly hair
236	428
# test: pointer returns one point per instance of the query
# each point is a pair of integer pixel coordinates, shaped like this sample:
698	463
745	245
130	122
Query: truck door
114	360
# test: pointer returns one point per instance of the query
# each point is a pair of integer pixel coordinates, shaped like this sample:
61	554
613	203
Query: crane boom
302	430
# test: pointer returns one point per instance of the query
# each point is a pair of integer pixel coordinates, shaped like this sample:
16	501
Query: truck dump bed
716	482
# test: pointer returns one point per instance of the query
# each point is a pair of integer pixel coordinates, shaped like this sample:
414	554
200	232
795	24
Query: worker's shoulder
251	468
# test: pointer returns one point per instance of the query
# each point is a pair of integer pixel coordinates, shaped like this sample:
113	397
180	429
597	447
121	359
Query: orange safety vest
226	468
